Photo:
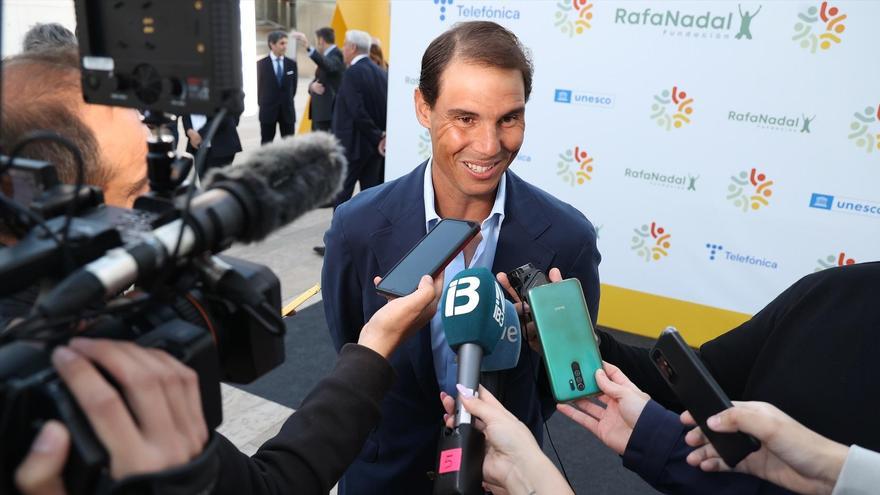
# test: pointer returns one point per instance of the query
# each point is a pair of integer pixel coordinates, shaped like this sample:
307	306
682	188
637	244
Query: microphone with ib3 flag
473	315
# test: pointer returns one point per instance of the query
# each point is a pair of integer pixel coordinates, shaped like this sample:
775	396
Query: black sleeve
319	441
731	356
330	65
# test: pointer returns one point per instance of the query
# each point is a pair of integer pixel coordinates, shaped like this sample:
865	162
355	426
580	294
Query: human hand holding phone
791	455
428	257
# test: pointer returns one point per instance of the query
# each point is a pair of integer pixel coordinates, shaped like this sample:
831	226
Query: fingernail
63	355
80	342
48	440
600	372
713	421
464	391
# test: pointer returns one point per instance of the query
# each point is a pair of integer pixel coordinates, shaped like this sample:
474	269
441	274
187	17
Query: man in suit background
276	86
224	145
328	76
475	81
359	115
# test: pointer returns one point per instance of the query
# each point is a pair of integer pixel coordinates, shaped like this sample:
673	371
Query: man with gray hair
43	36
359	115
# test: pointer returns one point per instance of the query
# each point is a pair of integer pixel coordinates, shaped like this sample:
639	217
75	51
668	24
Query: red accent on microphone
450	461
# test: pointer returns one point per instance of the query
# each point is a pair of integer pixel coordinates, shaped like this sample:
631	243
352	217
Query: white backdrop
666	114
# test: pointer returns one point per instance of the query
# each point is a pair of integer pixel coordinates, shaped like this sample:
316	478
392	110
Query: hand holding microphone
472	313
514	463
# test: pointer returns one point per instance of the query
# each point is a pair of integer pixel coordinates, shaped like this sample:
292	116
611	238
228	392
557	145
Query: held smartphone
571	351
700	393
431	255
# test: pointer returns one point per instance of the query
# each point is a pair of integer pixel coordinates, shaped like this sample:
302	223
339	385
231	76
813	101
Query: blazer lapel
520	239
405	210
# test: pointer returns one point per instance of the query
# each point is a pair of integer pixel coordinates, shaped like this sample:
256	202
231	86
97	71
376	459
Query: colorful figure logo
443	4
575	166
833	23
425	145
572	16
747	182
651	242
833	260
682	108
862	134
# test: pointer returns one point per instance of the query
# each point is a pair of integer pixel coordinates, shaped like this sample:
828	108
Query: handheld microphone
472	312
245	202
506	353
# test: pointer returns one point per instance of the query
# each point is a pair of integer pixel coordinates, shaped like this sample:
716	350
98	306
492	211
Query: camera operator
42	91
166	430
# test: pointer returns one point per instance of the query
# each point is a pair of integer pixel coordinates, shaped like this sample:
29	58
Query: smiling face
477	126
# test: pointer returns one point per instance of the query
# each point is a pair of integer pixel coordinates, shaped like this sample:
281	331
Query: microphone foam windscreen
287	178
506	353
472	310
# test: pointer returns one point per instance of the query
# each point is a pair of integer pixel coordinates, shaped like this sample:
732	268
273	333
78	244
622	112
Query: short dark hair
327	34
40	91
49	35
480	42
275	37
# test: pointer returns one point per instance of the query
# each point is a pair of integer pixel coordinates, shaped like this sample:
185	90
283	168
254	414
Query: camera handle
165	169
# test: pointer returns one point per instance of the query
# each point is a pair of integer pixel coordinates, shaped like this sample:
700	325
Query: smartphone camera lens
581	386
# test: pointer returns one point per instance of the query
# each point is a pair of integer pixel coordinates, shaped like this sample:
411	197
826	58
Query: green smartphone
571	350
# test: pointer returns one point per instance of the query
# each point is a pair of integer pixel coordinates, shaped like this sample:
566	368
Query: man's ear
423	110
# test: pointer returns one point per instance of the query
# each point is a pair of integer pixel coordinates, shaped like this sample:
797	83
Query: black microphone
245	202
472	312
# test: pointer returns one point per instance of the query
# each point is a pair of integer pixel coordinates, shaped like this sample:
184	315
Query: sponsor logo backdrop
726	149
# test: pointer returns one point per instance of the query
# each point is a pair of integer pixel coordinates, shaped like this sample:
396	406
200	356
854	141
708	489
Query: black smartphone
428	257
700	393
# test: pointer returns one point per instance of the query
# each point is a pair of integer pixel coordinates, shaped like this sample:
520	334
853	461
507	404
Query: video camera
148	274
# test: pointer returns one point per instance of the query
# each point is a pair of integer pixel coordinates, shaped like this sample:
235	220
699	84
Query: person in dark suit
223	146
328	76
475	114
359	115
276	87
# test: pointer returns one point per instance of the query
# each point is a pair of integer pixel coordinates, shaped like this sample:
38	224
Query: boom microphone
472	312
245	202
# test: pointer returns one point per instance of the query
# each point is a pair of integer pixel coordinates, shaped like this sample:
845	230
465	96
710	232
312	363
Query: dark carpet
591	467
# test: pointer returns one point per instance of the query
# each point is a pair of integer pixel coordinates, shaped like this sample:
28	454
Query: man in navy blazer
328	76
223	147
276	87
359	115
475	114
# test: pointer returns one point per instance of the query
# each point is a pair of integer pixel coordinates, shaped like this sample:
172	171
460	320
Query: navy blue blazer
367	236
329	74
657	452
359	112
226	141
276	101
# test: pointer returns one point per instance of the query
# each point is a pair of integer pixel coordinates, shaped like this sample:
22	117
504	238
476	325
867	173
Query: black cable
33	217
201	156
35	136
534	374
